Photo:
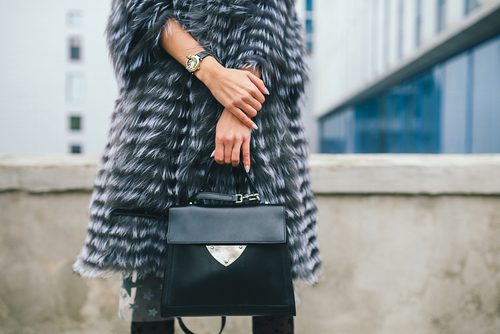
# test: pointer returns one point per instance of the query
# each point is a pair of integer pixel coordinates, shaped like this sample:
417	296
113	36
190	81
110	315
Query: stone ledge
406	174
47	173
331	173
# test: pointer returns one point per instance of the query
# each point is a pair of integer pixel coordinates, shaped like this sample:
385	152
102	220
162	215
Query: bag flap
195	224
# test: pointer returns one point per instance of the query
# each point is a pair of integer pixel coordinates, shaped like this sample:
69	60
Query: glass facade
309	26
418	23
453	107
440	15
471	5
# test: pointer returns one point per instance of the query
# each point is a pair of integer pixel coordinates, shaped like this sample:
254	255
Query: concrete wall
410	243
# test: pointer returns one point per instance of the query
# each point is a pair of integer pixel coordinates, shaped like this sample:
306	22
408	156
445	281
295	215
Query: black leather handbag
225	259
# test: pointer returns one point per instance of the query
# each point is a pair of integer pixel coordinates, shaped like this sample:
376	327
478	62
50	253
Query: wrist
209	67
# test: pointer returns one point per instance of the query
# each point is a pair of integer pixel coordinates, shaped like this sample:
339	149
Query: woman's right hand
238	90
232	139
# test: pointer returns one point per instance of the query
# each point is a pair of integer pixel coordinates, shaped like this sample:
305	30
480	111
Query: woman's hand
238	90
231	138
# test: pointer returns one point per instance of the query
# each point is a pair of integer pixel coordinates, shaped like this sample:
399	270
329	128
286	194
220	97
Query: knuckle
233	103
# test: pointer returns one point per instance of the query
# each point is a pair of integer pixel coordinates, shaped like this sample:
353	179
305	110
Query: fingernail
247	168
267	92
213	152
255	126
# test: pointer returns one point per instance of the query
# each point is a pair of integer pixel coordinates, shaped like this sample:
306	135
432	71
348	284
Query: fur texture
162	129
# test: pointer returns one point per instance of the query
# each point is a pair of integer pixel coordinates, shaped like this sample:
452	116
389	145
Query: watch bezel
196	65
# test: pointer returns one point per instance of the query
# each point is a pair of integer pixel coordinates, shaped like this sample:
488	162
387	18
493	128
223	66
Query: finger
228	147
219	151
243	117
246	153
254	104
235	156
259	83
247	108
257	94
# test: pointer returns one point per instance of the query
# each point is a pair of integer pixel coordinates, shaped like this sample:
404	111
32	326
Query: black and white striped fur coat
162	129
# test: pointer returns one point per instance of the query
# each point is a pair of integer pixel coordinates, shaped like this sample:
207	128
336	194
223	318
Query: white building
57	82
58	87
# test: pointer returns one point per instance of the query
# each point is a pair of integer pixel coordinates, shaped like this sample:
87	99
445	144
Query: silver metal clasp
239	198
247	197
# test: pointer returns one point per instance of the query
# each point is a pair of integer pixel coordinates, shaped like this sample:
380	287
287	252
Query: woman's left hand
231	138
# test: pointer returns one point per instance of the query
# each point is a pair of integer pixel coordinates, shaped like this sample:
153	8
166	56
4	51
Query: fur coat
162	128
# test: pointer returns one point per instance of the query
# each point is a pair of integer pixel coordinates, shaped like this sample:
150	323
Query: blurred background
403	120
388	76
406	76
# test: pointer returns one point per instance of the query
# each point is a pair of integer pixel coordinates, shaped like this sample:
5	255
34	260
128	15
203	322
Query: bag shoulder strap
187	331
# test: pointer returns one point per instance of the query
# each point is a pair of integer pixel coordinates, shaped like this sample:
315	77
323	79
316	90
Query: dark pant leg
152	327
272	324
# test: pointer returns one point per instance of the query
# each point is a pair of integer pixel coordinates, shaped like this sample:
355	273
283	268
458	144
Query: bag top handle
212	163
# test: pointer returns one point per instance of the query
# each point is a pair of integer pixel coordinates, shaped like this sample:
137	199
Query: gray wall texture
410	244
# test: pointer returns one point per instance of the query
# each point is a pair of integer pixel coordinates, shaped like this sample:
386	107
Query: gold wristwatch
193	61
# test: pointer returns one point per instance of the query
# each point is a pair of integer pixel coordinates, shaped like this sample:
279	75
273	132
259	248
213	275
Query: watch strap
207	52
203	54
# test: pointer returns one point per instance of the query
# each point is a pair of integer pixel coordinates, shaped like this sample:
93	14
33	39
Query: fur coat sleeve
133	35
162	130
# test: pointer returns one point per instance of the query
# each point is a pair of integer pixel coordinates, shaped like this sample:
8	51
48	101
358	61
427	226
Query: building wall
34	110
449	106
36	71
358	41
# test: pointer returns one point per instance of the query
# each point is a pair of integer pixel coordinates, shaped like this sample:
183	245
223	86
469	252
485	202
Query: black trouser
260	325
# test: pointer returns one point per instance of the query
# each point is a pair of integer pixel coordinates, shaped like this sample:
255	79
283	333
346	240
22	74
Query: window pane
309	5
336	132
418	23
454	106
471	5
309	26
74	88
74	19
486	98
367	126
399	105
75	148
425	120
401	10
441	15
75	122
75	48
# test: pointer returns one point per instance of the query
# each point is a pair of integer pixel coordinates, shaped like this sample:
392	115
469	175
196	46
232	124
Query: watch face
192	63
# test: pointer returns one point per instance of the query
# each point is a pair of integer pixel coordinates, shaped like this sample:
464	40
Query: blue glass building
452	106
